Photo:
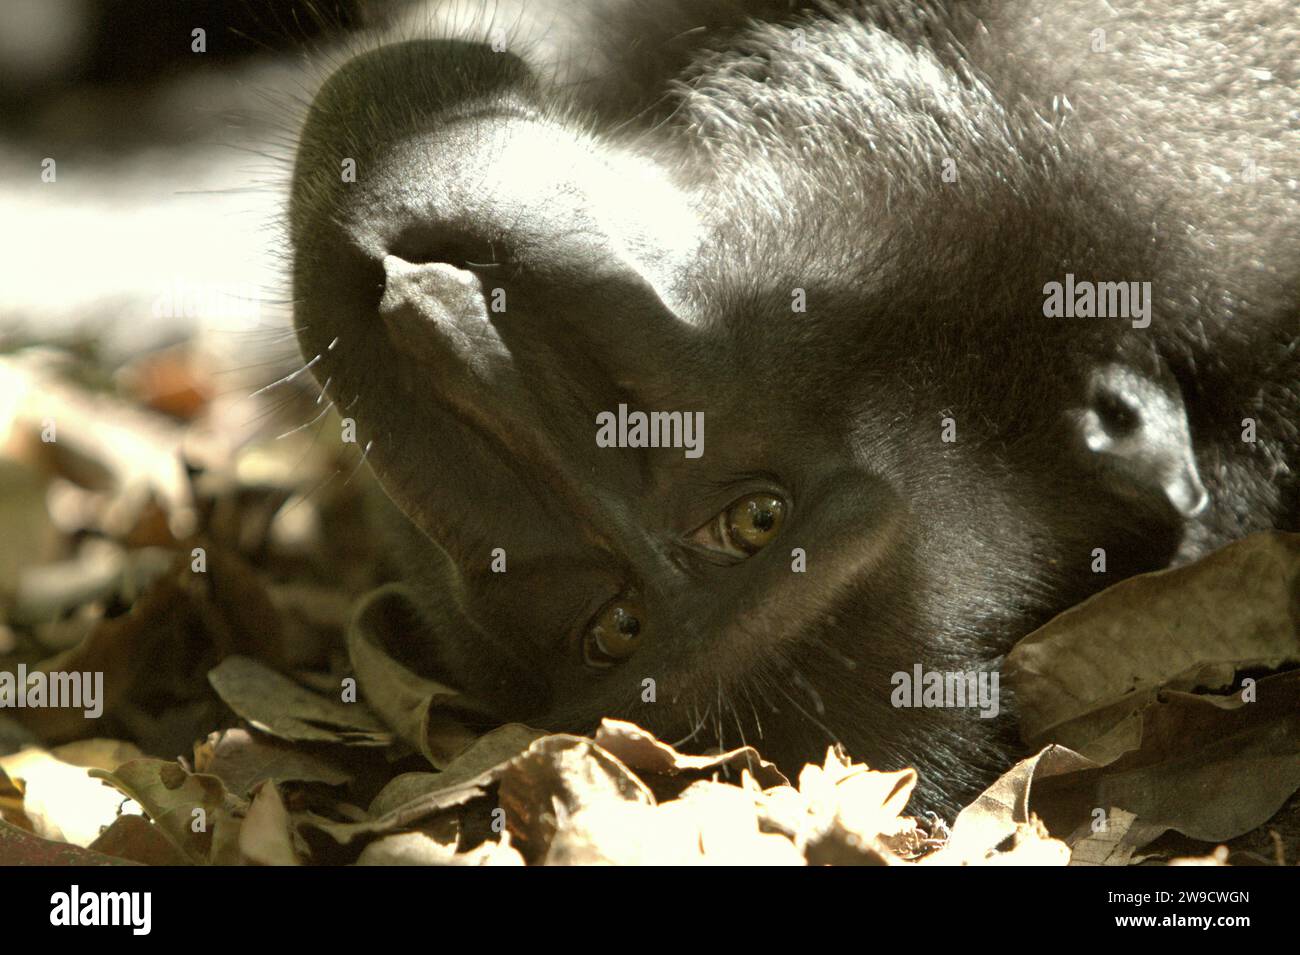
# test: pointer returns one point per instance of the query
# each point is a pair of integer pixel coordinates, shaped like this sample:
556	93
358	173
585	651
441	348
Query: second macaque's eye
745	527
615	632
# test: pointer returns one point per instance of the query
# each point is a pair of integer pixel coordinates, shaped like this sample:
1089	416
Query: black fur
648	195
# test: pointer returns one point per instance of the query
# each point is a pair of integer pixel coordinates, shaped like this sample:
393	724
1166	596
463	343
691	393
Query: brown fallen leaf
421	848
242	760
274	704
413	799
185	807
854	814
1030	844
1090	668
414	811
267	834
479	765
429	715
1211	767
990	824
709	824
19	847
1110	839
639	750
557	778
136	839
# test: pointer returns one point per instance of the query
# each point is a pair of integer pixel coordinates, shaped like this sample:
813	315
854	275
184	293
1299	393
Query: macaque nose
394	234
435	313
488	246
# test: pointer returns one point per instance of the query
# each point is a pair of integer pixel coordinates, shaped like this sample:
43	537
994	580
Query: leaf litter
258	709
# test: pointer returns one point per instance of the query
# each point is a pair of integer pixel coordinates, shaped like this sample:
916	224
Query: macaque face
719	441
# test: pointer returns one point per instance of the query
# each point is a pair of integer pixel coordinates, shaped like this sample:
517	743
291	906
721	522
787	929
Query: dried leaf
1112	840
712	823
241	760
427	714
1210	767
992	821
479	765
420	848
266	836
1031	845
18	847
557	778
184	806
1237	609
136	839
276	705
639	750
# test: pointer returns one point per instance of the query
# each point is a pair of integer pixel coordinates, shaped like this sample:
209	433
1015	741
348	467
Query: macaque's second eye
614	633
753	521
745	527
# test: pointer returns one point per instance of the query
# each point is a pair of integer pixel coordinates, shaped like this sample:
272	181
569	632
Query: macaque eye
614	633
745	527
753	521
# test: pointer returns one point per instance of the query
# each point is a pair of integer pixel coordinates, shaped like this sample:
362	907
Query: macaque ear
1134	429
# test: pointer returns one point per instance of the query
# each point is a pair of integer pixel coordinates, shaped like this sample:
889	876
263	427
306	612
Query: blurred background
144	312
141	167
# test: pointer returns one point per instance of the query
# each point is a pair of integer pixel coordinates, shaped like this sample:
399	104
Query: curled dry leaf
186	807
709	824
19	847
267	836
1030	844
420	848
639	750
1089	669
242	760
557	778
1110	838
855	814
137	839
990	824
276	705
1210	767
427	714
407	815
479	765
413	798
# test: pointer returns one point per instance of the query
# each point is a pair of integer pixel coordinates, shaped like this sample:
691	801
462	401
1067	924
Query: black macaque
979	308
